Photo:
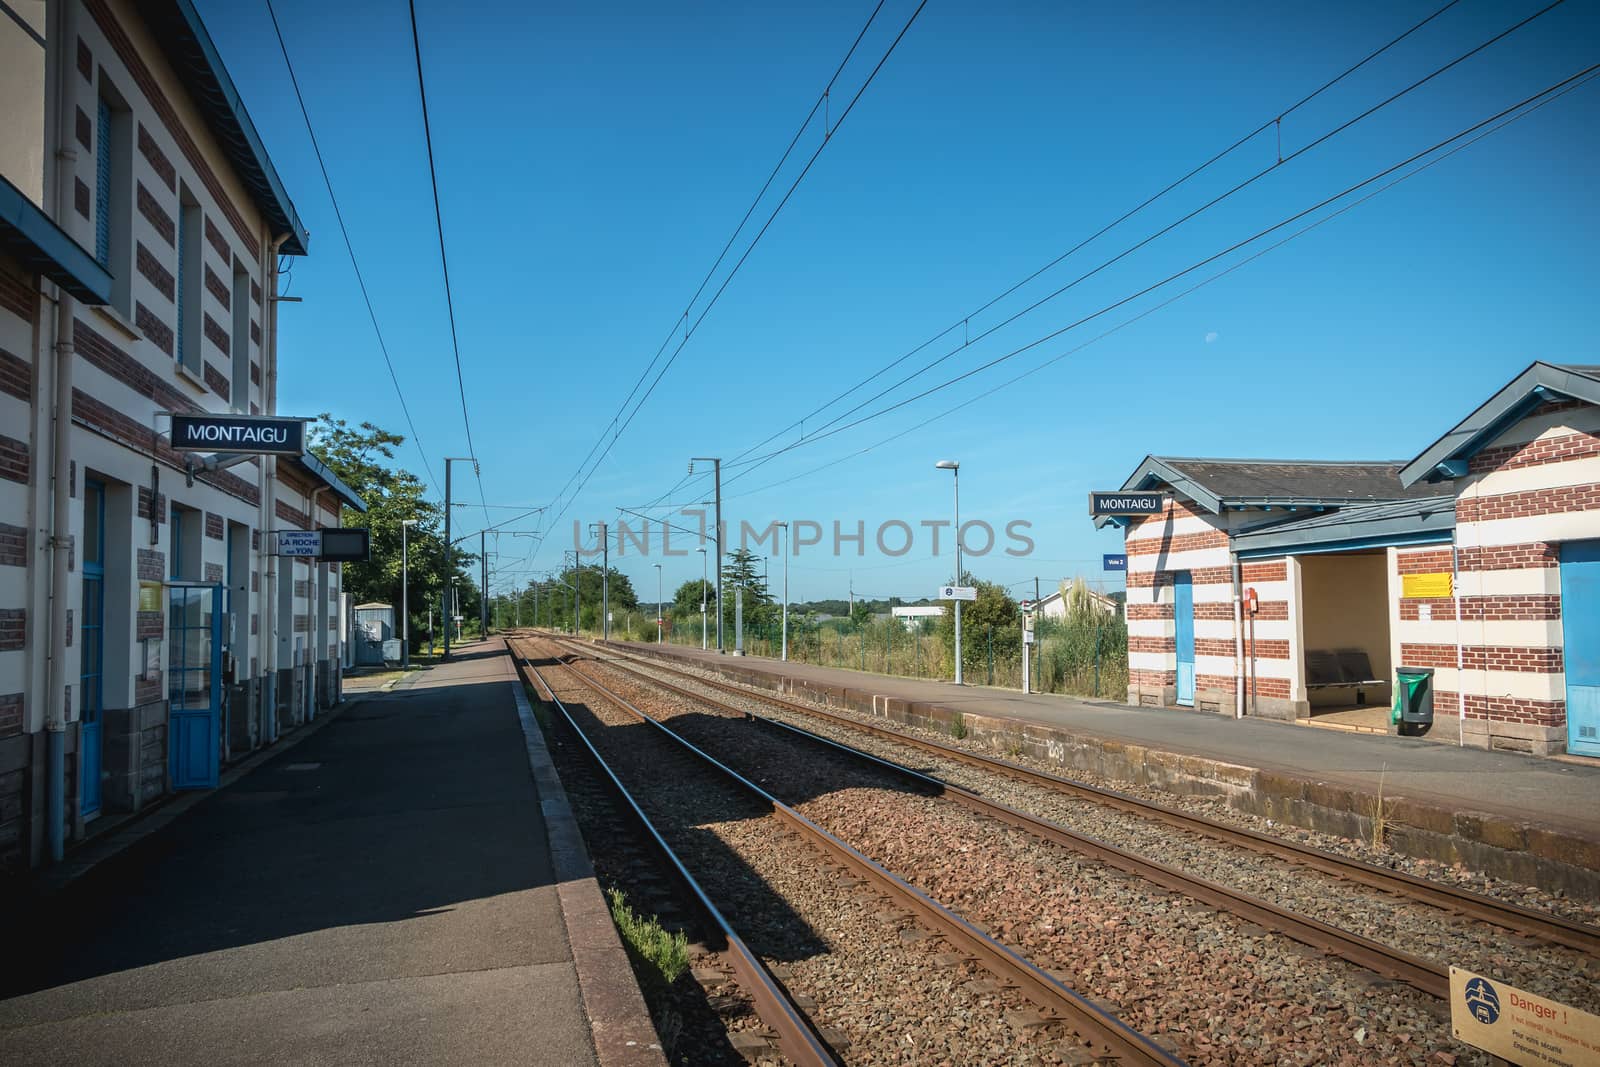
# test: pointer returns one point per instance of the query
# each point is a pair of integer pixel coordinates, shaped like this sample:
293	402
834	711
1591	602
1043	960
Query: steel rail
796	1038
1107	1036
1461	902
1366	953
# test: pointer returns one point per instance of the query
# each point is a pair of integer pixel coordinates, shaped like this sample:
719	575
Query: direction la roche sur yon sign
239	433
958	592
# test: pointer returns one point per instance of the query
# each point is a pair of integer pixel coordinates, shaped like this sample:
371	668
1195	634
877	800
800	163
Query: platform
406	885
1532	819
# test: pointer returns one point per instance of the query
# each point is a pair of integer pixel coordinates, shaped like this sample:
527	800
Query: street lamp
703	638
659	626
785	527
954	467
405	599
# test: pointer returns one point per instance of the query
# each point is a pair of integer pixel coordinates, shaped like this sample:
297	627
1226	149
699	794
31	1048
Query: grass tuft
660	954
958	726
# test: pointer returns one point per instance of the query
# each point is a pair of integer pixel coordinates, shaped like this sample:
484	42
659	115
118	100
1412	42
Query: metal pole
449	561
785	591
405	603
704	643
1038	614
483	592
605	584
660	622
717	472
957	479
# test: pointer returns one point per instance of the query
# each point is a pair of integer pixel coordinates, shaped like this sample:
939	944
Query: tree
741	571
686	601
362	456
993	615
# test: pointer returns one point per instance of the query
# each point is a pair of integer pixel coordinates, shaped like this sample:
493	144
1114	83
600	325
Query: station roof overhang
1392	523
195	60
41	246
1448	457
320	471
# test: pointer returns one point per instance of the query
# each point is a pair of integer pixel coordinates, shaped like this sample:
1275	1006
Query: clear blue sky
593	159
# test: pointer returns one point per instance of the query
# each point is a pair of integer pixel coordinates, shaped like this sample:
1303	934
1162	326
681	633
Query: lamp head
948	465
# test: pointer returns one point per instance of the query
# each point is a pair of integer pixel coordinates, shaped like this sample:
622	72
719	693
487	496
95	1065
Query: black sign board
238	433
1124	502
345	544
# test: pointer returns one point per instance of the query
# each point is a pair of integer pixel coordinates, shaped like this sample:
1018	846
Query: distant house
1054	607
911	617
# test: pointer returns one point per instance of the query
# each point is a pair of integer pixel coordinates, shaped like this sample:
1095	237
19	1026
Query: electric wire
1208	205
344	232
741	458
1510	115
1277	120
690	330
444	262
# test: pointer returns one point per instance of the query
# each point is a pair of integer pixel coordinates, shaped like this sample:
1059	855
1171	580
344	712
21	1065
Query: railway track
1373	956
1460	903
1101	1034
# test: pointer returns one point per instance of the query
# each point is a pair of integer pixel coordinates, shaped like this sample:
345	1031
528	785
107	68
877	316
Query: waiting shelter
1297	589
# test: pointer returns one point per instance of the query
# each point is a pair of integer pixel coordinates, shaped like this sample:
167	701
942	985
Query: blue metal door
1580	623
91	648
1183	631
194	683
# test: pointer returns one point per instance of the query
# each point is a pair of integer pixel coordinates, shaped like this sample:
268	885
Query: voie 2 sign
238	433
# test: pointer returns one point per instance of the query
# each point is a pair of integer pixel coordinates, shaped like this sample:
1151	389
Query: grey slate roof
1535	385
1219	483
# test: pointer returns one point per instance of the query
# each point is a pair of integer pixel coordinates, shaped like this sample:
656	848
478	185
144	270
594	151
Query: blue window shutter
102	185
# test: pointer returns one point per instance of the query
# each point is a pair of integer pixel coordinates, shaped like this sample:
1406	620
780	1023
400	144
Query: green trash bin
1413	700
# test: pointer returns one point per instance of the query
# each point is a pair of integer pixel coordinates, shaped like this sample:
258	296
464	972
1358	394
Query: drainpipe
315	587
269	481
1461	674
1238	639
57	683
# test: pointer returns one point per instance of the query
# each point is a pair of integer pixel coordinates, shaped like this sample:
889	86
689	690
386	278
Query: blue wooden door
1183	631
194	684
1580	623
91	649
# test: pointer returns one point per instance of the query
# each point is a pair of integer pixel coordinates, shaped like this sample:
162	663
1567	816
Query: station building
148	634
1297	589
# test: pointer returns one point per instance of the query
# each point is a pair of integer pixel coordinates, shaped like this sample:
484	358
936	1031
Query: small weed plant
958	726
660	956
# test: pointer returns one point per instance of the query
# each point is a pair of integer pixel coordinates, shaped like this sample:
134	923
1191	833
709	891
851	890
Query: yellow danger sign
1518	1026
1413	586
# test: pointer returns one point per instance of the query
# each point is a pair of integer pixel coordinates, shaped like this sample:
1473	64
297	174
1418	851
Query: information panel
1418	586
307	543
238	433
1121	502
1517	1025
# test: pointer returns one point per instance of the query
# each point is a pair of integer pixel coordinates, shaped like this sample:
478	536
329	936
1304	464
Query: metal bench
1345	668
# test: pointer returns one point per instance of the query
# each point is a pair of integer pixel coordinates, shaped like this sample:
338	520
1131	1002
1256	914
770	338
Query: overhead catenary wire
355	265
741	458
682	319
964	319
444	261
691	328
1280	162
1509	115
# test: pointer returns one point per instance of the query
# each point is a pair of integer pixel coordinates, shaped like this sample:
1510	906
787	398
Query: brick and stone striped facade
169	170
1534	488
1496	646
